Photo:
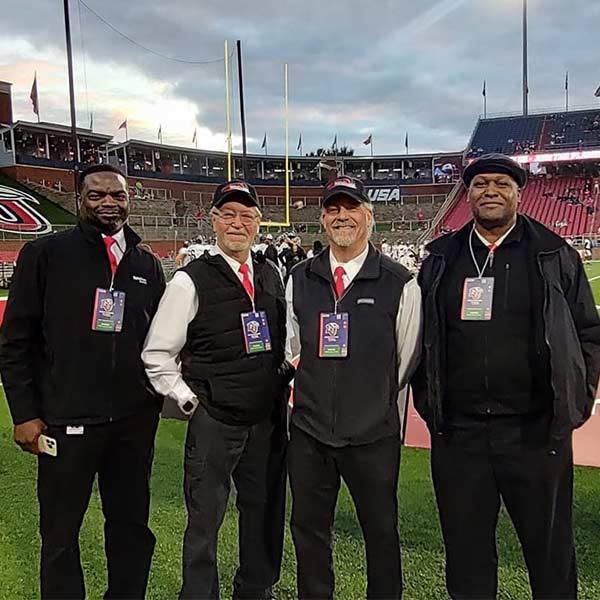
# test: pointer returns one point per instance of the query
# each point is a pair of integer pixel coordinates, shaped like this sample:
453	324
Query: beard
344	237
236	245
108	226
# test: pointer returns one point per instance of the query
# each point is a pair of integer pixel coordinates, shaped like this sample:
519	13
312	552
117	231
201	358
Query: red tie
246	281
338	278
112	259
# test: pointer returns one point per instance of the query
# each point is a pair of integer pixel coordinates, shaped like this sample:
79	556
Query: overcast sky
384	67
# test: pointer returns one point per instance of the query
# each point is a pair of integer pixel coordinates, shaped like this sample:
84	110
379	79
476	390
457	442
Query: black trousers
371	473
254	457
483	460
120	454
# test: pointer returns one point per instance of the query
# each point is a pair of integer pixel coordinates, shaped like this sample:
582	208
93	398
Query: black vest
353	400
234	387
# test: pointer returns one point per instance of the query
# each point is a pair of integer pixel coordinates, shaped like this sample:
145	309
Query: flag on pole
369	140
264	142
123	125
91	121
160	133
567	82
299	146
194	137
334	145
406	141
33	96
597	94
484	92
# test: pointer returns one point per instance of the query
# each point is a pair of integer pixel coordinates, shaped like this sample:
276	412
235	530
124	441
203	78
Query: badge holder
255	326
478	292
109	308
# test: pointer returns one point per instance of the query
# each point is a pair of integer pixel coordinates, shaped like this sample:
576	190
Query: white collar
119	238
352	267
498	241
232	262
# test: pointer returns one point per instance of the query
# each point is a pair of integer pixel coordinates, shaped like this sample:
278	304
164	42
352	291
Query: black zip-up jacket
570	325
53	365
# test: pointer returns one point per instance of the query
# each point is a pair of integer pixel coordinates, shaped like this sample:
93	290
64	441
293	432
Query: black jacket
235	387
352	400
53	365
571	329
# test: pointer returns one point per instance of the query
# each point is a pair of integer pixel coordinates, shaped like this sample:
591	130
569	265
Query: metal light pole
525	70
74	143
242	110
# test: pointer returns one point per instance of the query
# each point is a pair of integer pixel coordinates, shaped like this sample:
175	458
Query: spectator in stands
316	248
292	255
271	250
502	385
216	349
346	418
72	372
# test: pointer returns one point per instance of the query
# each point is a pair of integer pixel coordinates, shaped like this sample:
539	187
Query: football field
419	528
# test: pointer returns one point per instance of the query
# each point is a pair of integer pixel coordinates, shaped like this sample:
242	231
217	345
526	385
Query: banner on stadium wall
384	194
18	213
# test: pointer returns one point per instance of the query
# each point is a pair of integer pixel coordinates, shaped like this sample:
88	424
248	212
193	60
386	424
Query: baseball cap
348	186
237	190
495	163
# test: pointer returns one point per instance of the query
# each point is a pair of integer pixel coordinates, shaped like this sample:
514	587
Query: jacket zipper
336	301
546	296
506	281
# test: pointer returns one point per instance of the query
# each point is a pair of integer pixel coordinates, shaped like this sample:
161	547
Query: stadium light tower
74	143
525	69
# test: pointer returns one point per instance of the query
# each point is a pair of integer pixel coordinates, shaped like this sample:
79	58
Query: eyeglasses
246	218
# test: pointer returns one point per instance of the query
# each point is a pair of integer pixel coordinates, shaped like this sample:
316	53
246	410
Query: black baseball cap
237	190
347	186
495	163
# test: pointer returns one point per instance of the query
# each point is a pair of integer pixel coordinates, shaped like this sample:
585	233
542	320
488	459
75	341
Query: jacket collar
540	237
320	265
94	235
221	264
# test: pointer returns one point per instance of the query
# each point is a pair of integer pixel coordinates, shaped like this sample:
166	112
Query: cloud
355	68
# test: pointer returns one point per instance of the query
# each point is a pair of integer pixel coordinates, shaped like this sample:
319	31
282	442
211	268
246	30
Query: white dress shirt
497	242
120	245
408	325
168	332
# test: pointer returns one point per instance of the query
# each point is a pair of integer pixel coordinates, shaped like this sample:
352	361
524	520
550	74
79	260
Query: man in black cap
354	317
509	368
216	350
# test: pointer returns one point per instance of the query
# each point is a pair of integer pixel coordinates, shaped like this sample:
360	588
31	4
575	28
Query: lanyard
489	259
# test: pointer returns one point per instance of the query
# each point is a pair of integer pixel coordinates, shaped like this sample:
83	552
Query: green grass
422	546
419	528
593	272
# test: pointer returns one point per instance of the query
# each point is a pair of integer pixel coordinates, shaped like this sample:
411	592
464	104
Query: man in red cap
354	318
216	351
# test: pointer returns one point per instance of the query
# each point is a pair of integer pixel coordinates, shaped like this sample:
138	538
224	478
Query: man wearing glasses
216	349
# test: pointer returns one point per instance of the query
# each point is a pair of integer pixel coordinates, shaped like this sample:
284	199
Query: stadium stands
577	130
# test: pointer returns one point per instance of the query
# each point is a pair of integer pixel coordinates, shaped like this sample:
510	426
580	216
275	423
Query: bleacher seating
541	200
521	135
